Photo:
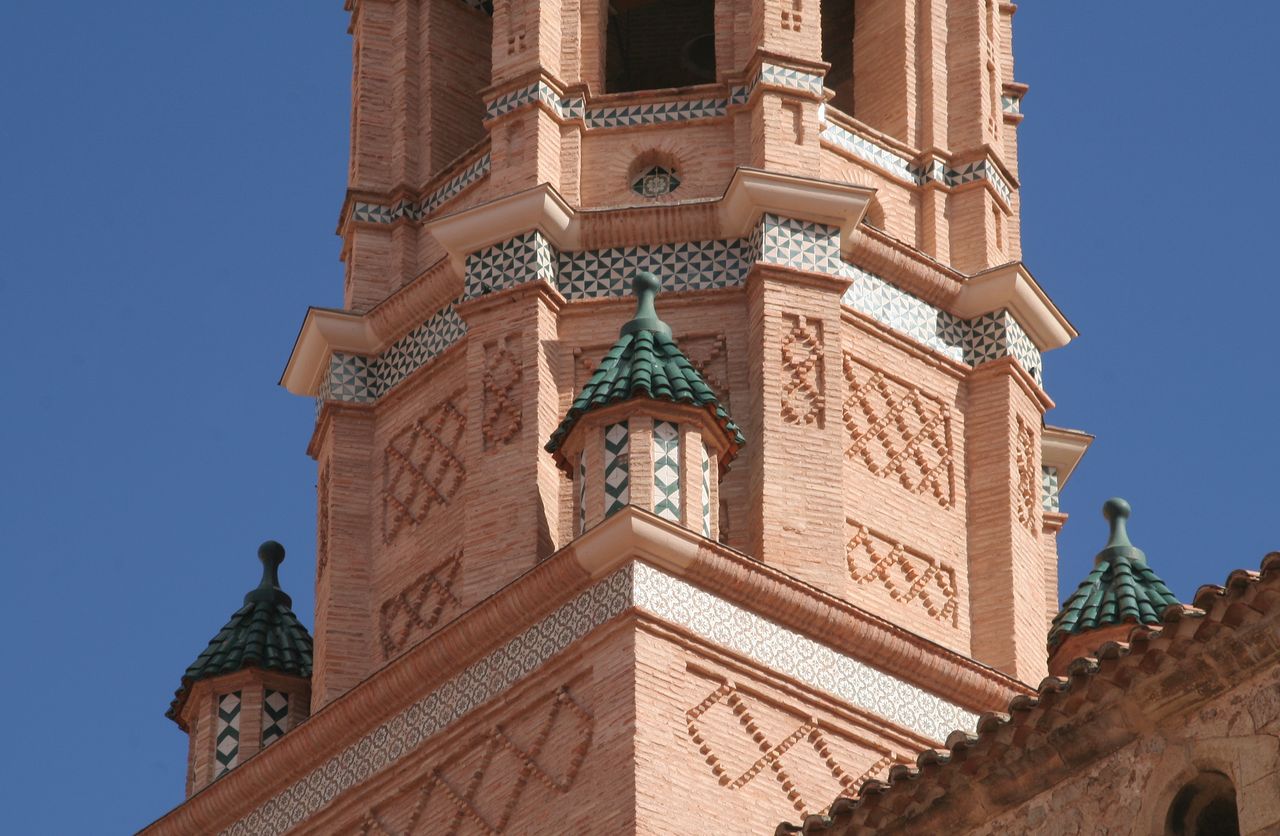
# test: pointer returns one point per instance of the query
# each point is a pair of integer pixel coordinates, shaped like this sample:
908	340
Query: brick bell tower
589	563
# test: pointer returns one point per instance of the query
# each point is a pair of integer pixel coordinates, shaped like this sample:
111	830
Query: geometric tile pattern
227	739
802	381
1011	104
998	334
898	430
419	210
414	611
905	574
456	795
617	468
666	470
706	493
582	494
275	716
690	265
422	467
704	615
524	258
1050	489
807	739
655	182
1028	492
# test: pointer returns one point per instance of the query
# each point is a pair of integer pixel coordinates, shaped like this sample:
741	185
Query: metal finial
1117	511
645	286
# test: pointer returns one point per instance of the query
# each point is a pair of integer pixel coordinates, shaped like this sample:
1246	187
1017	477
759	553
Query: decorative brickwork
898	431
503	372
666	470
1027	493
227	740
422	467
275	716
449	799
322	522
803	400
807	739
414	611
908	576
708	354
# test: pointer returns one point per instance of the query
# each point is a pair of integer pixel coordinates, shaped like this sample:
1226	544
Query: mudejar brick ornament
683	464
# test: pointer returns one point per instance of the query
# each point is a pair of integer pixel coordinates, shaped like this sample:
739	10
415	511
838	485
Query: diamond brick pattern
422	467
1028	492
414	611
906	575
706	493
706	616
227	734
1050	489
803	399
275	716
617	468
666	470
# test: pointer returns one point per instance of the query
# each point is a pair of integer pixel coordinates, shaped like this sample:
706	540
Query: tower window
837	50
1204	807
654	44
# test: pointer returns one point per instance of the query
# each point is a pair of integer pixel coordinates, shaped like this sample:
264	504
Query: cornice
1063	448
1011	286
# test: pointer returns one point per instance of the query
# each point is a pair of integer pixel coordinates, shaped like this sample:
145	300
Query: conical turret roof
645	362
263	633
1121	589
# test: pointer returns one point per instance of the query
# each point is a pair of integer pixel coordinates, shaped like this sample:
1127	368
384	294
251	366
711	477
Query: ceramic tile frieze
666	470
617	468
227	735
275	716
1050	489
1011	104
703	614
417	210
682	266
706	492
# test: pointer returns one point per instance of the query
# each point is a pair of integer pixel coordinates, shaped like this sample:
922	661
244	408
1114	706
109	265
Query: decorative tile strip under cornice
417	210
690	265
707	616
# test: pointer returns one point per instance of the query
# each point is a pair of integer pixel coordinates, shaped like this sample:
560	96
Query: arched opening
653	44
1204	807
837	50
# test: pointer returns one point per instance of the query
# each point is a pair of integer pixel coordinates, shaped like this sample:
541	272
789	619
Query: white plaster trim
1012	286
632	534
541	208
1063	448
636	585
753	192
323	332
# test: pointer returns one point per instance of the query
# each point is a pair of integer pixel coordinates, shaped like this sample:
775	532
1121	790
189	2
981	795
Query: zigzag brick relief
415	610
906	575
503	371
803	401
1027	491
422	467
898	431
747	718
322	521
478	787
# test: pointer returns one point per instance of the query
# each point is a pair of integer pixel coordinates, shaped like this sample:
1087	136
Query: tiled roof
645	362
264	633
1122	588
1007	744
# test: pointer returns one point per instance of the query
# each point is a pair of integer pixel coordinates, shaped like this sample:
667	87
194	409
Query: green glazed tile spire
1121	589
645	362
263	633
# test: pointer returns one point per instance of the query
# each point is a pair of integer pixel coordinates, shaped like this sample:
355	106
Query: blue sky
172	177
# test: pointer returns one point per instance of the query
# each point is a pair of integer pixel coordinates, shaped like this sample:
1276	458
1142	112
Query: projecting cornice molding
323	332
1063	449
753	193
1012	287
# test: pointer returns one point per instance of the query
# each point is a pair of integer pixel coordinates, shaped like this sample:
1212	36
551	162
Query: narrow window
837	50
1204	807
654	44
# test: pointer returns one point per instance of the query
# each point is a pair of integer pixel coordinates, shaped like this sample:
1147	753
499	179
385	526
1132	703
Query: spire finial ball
271	553
1116	508
645	282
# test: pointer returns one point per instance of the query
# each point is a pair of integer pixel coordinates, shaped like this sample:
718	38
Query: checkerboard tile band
227	734
1051	489
666	470
617	468
275	716
706	493
705	615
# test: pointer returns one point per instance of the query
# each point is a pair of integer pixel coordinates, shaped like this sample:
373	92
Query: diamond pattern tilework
706	493
1011	104
710	618
582	494
349	379
800	244
513	262
794	79
1050	489
689	265
617	468
275	716
666	470
1021	347
379	214
903	312
227	736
